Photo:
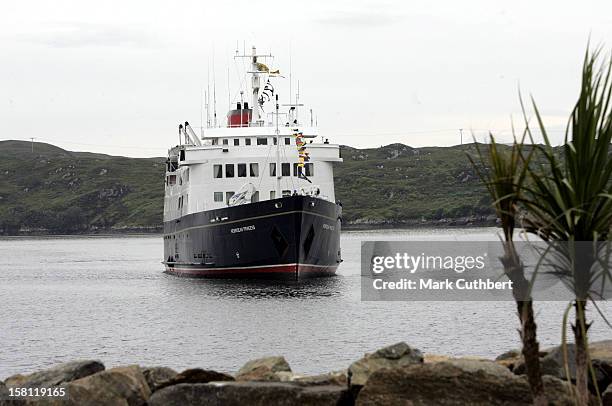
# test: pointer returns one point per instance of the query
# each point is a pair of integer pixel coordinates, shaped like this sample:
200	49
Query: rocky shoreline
361	224
394	375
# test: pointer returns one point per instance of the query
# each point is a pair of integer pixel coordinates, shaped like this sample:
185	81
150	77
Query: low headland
46	190
394	375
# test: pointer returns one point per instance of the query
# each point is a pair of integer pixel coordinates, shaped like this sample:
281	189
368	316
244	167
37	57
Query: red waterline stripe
253	270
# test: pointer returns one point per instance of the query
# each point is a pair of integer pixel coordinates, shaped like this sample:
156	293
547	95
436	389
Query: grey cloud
365	18
78	35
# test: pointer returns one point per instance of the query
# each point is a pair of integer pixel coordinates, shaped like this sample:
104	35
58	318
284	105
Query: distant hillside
57	191
397	184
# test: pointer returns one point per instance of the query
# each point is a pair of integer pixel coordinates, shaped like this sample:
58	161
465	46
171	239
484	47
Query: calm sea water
107	298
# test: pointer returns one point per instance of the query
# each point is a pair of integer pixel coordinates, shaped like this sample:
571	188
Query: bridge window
286	169
273	169
229	170
297	170
218	171
309	169
218	196
254	169
236	141
262	141
242	172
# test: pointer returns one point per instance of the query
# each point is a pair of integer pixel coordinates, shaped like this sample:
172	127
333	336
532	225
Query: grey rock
553	363
512	354
250	393
393	356
480	366
156	375
4	397
263	369
606	397
116	386
445	383
339	378
195	375
57	375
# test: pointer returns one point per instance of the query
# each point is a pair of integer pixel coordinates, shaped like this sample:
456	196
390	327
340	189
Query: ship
253	197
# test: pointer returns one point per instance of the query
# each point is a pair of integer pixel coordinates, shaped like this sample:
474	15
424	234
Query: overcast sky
118	76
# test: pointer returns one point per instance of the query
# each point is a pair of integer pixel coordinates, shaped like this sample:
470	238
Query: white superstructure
205	171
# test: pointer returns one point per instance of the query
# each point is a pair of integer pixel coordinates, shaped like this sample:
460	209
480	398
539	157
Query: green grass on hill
58	191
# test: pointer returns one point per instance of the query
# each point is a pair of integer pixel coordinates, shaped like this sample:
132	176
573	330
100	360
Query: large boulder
601	354
56	375
339	378
480	366
606	397
116	386
393	356
455	383
264	369
195	375
157	375
4	396
250	393
553	363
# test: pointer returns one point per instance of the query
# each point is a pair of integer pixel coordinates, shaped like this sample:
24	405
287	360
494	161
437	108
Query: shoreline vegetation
45	190
392	375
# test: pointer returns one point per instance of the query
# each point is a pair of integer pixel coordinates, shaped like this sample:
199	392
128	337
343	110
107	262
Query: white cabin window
297	170
286	193
215	141
228	196
309	169
287	141
218	171
254	169
218	196
229	170
286	169
262	141
272	194
236	141
255	197
172	180
247	141
242	171
274	141
273	169
225	142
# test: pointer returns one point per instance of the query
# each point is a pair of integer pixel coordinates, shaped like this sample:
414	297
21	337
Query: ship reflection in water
257	288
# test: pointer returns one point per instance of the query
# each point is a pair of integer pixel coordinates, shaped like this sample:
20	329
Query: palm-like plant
503	173
569	197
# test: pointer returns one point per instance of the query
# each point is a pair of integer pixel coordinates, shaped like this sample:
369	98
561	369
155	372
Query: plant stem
582	364
531	352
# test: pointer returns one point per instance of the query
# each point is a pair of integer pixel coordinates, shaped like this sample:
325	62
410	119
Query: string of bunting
303	155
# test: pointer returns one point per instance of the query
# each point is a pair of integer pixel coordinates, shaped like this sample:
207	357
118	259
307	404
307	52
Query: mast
255	86
278	163
256	117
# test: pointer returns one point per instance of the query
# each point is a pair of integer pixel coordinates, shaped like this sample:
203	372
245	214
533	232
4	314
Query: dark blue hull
292	237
